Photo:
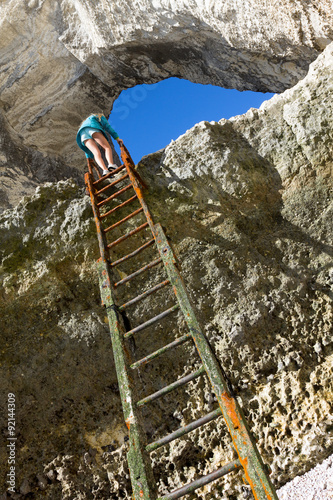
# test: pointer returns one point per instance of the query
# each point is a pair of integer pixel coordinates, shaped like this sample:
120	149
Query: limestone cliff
247	206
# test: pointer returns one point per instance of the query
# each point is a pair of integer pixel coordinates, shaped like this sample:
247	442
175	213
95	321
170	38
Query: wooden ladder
103	193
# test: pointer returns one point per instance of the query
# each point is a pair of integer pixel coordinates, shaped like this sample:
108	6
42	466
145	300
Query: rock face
247	206
207	42
258	192
70	58
23	168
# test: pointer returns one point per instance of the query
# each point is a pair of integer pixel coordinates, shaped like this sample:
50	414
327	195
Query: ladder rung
188	488
123	238
164	349
109	175
171	387
123	220
139	271
126	188
111	184
119	206
184	430
145	294
151	321
133	254
102	178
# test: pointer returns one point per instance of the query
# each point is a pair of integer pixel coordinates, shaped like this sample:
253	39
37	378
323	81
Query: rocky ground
317	484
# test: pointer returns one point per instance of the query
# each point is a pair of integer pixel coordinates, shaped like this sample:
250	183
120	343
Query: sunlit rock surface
247	205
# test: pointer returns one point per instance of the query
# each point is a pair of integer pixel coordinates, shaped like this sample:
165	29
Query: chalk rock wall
260	254
230	44
62	60
23	168
247	204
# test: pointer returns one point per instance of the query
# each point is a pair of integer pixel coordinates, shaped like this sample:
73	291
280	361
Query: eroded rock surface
247	204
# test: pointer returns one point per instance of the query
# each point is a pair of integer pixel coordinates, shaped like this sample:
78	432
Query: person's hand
120	141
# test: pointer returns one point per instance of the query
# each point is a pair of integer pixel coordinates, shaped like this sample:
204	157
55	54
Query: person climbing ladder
91	134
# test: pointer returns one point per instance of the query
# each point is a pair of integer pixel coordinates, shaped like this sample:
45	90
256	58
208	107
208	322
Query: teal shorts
87	132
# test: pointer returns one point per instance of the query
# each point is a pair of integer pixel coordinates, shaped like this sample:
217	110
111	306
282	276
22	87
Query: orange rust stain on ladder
251	483
230	405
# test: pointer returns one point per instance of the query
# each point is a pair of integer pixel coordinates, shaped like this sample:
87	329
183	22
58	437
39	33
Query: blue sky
148	117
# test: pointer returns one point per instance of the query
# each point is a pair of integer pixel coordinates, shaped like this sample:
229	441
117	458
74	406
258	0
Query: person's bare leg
93	147
101	140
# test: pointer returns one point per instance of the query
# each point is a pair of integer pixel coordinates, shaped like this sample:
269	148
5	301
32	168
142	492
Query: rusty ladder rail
142	479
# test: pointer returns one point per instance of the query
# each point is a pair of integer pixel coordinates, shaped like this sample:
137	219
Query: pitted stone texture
252	208
62	60
56	348
261	282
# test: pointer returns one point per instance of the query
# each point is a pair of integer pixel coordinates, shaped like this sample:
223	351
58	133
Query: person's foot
105	172
112	167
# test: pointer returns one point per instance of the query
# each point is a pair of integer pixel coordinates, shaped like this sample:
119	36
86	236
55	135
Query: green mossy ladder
103	194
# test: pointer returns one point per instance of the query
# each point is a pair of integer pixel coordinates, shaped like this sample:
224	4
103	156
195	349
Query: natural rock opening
68	57
149	117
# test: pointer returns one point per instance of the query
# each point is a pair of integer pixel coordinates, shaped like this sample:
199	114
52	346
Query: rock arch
63	58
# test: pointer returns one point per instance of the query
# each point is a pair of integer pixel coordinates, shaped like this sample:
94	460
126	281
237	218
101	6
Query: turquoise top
93	122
